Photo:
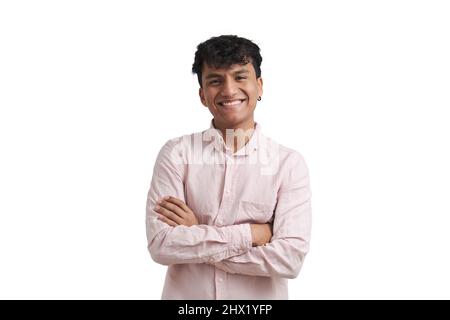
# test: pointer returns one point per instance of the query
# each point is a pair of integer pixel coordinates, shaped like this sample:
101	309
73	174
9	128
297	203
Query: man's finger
168	214
173	207
166	220
179	203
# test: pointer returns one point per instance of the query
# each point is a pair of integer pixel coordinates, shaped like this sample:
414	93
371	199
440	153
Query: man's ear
202	96
259	81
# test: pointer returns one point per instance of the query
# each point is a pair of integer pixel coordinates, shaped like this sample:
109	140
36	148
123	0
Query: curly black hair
225	50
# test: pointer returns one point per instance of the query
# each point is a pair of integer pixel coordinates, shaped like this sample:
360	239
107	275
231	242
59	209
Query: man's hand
261	234
175	212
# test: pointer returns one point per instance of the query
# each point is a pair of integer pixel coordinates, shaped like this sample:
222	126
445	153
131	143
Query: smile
231	103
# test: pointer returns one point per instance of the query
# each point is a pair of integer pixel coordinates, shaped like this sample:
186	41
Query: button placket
226	201
220	284
229	179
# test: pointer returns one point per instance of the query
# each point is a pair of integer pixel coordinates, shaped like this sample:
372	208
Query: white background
90	90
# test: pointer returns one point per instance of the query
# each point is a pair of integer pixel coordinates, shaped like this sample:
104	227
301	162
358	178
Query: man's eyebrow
213	75
216	75
241	71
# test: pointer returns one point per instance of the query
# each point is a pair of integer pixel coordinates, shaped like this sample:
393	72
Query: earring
259	98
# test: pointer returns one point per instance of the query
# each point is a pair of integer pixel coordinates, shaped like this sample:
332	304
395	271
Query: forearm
198	244
280	258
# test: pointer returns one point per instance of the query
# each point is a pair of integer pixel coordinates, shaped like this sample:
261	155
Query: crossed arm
175	236
175	212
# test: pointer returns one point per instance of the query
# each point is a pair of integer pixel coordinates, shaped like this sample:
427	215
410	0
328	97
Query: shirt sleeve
284	255
181	244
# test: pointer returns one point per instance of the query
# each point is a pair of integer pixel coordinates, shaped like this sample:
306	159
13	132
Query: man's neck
237	136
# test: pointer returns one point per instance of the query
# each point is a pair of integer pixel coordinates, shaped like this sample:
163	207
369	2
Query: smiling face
231	94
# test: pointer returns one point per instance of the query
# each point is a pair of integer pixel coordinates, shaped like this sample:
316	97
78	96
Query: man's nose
229	88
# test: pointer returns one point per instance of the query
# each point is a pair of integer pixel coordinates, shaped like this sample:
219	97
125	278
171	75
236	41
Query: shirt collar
214	135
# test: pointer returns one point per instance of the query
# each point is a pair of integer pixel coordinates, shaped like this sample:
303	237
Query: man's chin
233	121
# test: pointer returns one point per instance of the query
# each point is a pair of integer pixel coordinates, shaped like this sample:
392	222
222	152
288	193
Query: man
228	209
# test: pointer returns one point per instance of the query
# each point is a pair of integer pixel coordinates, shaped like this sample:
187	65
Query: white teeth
231	103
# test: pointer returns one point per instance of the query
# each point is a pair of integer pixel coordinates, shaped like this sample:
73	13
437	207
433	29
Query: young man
228	209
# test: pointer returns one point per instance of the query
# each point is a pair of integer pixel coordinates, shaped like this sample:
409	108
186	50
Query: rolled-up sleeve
196	244
284	255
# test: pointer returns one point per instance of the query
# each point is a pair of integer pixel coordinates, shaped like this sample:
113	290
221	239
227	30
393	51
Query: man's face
231	94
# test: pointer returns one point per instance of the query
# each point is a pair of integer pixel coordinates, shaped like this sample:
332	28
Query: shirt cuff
241	237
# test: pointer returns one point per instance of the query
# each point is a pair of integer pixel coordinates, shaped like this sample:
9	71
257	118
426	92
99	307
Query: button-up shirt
263	182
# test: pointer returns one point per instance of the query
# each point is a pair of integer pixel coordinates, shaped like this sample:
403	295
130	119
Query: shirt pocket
255	212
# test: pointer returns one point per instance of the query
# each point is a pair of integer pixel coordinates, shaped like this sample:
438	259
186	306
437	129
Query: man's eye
241	78
214	82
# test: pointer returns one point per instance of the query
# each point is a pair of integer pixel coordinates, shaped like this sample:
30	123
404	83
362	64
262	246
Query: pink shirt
262	182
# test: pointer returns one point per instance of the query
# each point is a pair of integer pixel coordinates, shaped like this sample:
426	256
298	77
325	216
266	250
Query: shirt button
220	280
227	192
219	221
